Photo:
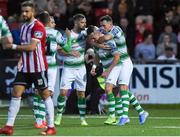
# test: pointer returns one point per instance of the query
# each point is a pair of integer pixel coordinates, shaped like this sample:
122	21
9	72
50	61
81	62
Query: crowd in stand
152	27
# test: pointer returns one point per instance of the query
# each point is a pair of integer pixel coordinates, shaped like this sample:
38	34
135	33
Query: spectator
166	42
145	7
122	9
178	36
41	5
57	7
168	30
168	54
129	34
145	50
143	23
176	20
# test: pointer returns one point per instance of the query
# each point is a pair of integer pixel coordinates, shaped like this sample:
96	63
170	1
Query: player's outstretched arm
27	47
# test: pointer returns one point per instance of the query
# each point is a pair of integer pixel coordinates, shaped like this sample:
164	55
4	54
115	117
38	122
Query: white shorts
126	71
76	75
113	75
52	73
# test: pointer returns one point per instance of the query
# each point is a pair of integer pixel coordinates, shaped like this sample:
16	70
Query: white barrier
156	84
151	84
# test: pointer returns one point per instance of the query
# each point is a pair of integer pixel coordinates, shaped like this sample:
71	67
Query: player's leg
111	81
46	96
118	102
127	68
80	86
14	106
39	111
123	81
142	114
82	107
61	102
52	76
125	105
111	104
66	80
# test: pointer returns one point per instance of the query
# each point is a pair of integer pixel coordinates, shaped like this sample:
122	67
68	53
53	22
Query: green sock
82	107
111	106
35	105
118	106
125	102
61	101
135	103
39	109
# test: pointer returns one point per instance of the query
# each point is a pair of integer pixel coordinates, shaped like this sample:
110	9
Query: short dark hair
106	18
77	17
168	48
90	29
28	3
44	17
147	33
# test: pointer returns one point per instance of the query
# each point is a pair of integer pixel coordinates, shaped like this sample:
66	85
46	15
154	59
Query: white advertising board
156	84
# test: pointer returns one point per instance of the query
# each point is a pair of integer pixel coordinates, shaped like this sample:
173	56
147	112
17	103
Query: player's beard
27	19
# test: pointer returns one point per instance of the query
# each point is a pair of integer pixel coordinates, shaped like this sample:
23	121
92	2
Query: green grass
163	121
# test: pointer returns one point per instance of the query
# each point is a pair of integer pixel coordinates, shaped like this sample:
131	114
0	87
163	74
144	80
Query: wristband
14	46
94	66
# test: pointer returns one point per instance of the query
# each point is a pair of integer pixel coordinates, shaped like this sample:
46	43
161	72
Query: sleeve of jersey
114	47
65	43
116	32
5	29
38	32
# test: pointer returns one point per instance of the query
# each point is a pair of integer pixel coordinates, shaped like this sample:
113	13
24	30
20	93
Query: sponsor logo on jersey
38	34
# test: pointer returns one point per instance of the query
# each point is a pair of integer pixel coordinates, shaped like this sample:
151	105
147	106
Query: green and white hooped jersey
106	56
119	38
78	43
53	39
4	29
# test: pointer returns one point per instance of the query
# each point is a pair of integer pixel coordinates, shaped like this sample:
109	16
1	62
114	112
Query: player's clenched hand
93	71
105	74
107	47
101	40
59	47
75	53
8	46
68	32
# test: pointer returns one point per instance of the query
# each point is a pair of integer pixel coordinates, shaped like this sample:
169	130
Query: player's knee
18	91
16	94
81	94
63	93
45	93
123	87
108	89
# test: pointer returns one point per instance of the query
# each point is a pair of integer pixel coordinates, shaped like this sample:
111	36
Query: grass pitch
164	120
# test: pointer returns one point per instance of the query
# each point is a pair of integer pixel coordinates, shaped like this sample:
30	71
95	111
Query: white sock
13	110
50	111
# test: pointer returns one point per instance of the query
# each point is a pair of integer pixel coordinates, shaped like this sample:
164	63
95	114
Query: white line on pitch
77	116
169	127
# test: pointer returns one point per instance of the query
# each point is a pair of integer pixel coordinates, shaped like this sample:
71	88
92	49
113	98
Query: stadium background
156	84
153	81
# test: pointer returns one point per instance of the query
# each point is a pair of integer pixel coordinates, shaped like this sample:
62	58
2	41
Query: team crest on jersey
38	34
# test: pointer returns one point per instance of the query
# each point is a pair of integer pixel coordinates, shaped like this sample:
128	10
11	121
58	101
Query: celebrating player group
40	42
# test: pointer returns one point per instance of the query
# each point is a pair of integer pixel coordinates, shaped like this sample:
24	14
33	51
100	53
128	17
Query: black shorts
39	79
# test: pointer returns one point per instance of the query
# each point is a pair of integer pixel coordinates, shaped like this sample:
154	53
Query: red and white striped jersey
34	61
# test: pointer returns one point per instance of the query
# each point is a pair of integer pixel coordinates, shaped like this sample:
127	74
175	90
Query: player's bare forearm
26	47
105	38
114	62
62	52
